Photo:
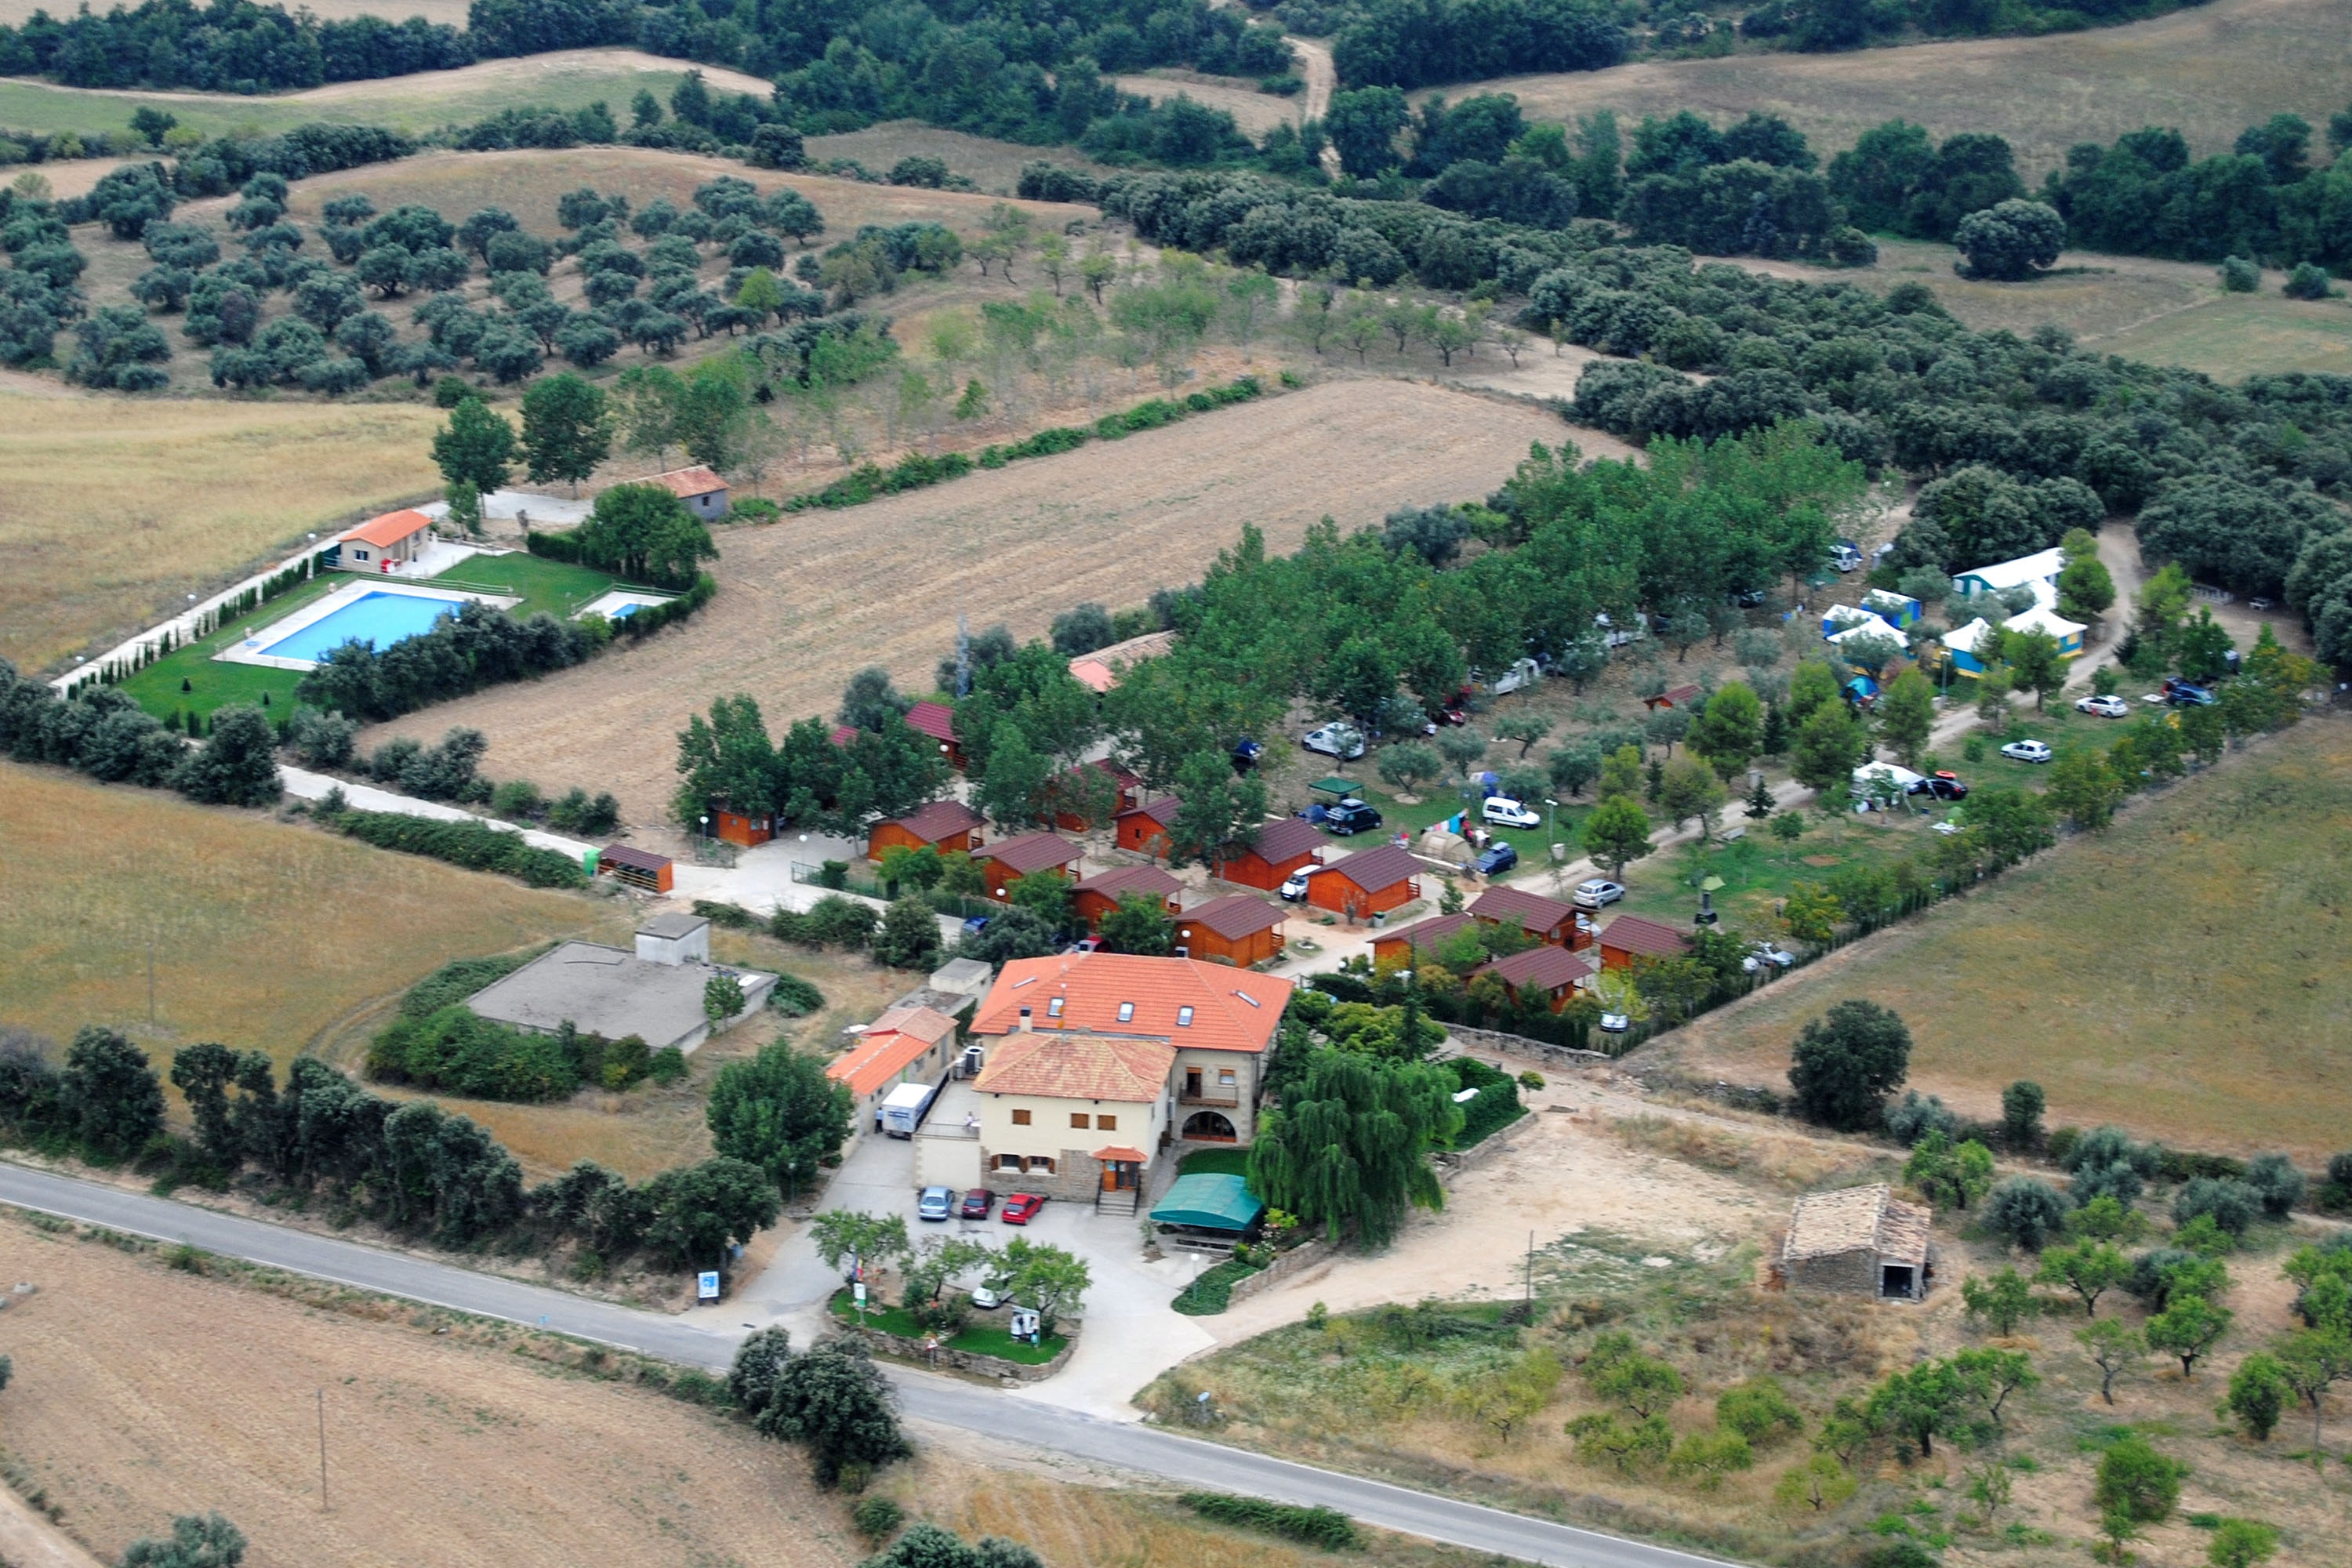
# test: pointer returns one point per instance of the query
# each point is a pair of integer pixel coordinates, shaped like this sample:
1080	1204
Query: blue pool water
378	619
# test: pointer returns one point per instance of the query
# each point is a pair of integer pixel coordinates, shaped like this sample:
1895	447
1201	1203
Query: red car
977	1202
1021	1208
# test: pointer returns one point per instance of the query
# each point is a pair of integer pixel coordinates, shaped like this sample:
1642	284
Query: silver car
1599	892
1341	740
937	1203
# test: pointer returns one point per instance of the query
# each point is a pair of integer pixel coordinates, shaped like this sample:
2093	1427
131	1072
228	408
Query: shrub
2307	282
2233	1205
878	1519
2025	1212
473	844
795	997
2240	276
2277	1185
1916	1115
1324	1527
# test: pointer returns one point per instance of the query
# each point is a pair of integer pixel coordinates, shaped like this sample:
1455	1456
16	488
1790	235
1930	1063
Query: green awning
1210	1203
1334	784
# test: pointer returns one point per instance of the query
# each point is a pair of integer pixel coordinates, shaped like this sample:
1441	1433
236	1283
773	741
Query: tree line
2268	198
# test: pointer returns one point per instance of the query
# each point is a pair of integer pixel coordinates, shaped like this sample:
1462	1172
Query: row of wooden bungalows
1571	950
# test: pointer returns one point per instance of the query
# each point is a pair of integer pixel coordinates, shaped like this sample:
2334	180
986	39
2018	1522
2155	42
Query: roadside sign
857	1293
706	1285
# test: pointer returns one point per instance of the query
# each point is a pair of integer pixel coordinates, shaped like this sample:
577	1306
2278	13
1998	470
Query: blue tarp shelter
1210	1203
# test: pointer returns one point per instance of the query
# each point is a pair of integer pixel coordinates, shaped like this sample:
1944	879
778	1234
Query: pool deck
250	649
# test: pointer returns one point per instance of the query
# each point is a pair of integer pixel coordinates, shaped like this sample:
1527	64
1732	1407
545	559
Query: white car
2108	707
2027	752
1295	889
1615	1022
1762	954
1502	811
987	1297
1593	895
1341	740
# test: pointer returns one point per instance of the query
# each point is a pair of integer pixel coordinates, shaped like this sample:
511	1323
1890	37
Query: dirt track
806	601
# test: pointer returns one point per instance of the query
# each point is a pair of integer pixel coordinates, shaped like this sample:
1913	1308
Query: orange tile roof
1119	1152
1058	1064
1232	1009
390	529
1099	671
898	1037
686	483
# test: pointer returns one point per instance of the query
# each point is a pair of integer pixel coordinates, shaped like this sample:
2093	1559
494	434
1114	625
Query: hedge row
1213	1290
475	846
1325	1527
915	470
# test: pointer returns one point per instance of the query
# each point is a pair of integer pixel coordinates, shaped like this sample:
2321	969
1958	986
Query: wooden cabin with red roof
1008	860
1102	784
1369	882
1629	937
1144	829
1409	947
749	828
1553	972
1272	854
1553	921
937	719
386	543
1099	894
946	825
1236	929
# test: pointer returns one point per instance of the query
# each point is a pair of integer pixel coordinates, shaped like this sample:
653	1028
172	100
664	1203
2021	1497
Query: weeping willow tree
1348	1147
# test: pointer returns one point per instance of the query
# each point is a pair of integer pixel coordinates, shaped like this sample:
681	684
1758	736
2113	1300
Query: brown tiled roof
940	820
1161	811
390	529
1236	916
1029	852
1546	967
686	483
1063	1064
1383	865
936	719
635	859
1423	936
1857	1219
842	734
1099	671
1285	838
898	1036
1639	933
1232	1009
1535	913
1679	696
1120	881
1119	1152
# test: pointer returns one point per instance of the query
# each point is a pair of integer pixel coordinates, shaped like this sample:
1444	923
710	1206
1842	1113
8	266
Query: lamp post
705	820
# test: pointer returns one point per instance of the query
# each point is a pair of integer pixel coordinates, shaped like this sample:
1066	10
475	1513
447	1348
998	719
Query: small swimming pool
376	618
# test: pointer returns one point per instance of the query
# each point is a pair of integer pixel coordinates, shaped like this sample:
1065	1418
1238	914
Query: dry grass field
1255	113
2212	71
111	508
567	79
264	934
2181	976
995	166
452	12
806	601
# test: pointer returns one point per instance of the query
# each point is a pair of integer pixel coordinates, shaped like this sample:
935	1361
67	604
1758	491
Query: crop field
264	935
111	508
2181	975
569	78
2212	71
806	602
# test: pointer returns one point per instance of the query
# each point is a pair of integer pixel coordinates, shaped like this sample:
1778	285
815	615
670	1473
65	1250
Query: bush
2307	282
473	844
2240	276
878	1519
2277	1185
2233	1205
2025	1212
795	997
1326	1528
1914	1116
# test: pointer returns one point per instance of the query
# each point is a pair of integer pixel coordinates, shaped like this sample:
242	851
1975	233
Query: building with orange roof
902	1045
1218	1019
1099	671
386	543
1073	1114
704	493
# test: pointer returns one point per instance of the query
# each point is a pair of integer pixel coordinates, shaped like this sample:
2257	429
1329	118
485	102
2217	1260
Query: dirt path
28	1540
808	601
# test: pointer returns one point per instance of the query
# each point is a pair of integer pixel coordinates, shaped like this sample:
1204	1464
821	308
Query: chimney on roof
1022	1026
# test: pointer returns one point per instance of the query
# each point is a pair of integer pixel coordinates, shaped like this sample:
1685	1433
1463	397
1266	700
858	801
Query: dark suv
1943	786
2187	693
1349	816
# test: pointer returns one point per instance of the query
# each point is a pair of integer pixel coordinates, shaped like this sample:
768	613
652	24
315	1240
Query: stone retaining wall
973	1361
1471	1039
1290	1264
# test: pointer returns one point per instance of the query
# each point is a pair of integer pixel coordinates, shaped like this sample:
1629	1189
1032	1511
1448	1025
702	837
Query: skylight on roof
1053	1008
1246	997
1184	1017
1127	1011
1025	980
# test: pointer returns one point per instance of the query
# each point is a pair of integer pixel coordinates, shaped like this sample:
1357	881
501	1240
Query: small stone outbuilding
1859	1241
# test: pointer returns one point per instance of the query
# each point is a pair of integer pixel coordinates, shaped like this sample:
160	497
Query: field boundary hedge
917	470
1325	1527
475	846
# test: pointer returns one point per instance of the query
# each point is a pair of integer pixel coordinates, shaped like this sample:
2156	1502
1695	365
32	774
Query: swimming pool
376	617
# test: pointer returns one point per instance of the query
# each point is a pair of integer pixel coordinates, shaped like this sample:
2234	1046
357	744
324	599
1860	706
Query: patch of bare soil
142	1393
806	602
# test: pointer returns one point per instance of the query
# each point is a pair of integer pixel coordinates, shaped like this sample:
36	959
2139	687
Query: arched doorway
1210	1127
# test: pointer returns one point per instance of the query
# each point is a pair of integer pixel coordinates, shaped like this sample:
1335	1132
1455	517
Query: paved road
708	1338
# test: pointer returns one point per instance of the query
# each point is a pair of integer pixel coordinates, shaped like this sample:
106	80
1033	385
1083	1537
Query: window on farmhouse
1106	1123
1020	1118
1077	1119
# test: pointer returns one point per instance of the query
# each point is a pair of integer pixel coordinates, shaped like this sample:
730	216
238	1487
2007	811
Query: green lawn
558	587
979	1339
1215	1163
189	681
1444	800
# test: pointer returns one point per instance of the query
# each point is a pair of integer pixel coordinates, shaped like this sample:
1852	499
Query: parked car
1294	890
1344	741
1494	860
1763	953
1598	892
1942	786
1085	944
1845	556
2102	707
977	1204
1502	811
936	1203
1247	753
987	1297
1615	1022
2027	752
1523	672
1349	817
976	924
1021	1208
2258	603
2187	693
